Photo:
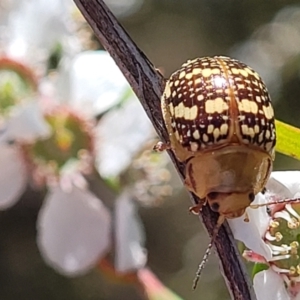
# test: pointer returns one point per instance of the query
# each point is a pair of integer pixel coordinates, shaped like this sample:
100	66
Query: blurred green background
264	34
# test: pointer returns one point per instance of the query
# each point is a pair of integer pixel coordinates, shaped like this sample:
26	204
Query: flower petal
124	8
73	230
250	233
25	37
26	124
130	254
96	82
12	176
269	285
284	183
121	133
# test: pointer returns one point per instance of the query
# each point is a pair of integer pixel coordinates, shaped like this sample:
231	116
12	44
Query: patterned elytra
217	101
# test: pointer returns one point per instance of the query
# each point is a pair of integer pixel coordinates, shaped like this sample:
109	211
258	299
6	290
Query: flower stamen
278	236
280	257
280	270
283	215
290	209
283	249
294	247
274	224
270	237
293	271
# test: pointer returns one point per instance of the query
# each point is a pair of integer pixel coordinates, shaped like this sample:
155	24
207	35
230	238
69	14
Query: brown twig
148	84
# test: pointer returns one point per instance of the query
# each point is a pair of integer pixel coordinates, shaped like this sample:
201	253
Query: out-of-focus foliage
288	141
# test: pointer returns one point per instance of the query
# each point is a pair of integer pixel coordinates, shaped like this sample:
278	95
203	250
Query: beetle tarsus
197	207
160	146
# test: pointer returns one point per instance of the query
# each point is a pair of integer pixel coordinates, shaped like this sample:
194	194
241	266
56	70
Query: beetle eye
215	206
251	197
212	195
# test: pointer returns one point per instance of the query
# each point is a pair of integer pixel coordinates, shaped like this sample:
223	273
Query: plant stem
148	85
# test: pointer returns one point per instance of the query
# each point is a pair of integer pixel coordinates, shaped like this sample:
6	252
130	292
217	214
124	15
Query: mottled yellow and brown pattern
214	102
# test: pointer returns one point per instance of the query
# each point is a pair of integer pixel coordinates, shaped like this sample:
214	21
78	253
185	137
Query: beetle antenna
281	201
208	251
202	265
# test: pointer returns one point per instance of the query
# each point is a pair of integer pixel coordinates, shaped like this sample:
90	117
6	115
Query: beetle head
230	205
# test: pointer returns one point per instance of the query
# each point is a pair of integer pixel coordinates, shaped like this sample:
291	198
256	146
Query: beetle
220	120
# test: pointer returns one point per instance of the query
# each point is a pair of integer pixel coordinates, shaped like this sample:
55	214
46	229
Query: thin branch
148	85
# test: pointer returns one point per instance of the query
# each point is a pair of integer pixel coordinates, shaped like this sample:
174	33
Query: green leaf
258	267
288	139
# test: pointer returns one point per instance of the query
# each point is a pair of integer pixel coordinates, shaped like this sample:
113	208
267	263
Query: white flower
73	224
269	285
12	175
73	227
130	239
285	184
36	26
257	225
121	134
26	124
73	230
255	234
93	82
21	121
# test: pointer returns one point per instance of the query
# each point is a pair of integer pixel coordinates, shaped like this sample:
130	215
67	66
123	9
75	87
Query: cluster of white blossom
51	136
272	237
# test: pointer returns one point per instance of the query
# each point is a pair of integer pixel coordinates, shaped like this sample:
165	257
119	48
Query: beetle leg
246	218
160	146
198	207
161	71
